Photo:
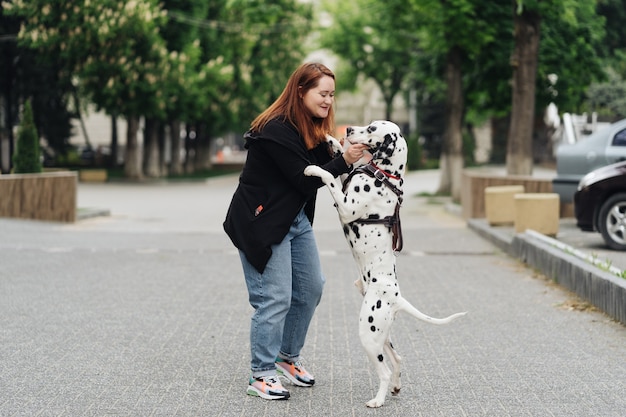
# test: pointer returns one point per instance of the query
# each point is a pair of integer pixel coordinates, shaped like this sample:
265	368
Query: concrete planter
500	203
474	184
92	175
48	196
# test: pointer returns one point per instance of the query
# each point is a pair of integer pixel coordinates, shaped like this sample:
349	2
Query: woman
269	220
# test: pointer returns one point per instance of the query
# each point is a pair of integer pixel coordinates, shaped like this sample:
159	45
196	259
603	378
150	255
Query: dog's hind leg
396	360
374	326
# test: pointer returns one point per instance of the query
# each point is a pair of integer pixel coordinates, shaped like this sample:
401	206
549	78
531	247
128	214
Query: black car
600	204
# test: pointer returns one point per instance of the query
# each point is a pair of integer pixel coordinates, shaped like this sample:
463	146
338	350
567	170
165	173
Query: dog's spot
370	319
366	188
357	188
380	358
374	279
379	304
373	328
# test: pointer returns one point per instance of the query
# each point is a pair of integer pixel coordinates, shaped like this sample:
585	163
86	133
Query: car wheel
612	221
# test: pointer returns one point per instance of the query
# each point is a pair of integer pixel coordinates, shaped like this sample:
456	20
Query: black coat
273	188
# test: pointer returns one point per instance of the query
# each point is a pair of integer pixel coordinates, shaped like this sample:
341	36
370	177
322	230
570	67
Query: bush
27	156
414	157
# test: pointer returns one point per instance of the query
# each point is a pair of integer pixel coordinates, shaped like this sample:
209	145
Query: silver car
604	147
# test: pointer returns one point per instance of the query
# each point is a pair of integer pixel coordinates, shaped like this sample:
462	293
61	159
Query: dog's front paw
317	171
313	171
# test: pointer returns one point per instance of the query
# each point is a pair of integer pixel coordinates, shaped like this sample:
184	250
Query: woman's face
318	100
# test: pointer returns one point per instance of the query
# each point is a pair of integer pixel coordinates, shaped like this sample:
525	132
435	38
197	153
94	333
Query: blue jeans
284	297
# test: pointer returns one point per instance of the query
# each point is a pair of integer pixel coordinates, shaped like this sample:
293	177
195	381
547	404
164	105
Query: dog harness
392	222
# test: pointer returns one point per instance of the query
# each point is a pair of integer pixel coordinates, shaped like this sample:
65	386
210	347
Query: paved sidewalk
144	313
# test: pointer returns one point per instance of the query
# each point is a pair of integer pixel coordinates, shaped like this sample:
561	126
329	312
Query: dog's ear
386	148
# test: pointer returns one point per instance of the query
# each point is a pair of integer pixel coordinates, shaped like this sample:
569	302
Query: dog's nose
349	131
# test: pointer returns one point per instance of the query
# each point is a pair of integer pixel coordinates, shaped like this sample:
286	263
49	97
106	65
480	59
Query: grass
605	265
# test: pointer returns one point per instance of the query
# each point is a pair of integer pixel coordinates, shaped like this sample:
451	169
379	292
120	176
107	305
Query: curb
563	264
88	213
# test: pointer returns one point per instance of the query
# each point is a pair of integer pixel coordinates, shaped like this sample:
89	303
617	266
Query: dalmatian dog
367	203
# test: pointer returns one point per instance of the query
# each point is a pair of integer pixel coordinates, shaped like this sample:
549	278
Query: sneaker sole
292	378
257	393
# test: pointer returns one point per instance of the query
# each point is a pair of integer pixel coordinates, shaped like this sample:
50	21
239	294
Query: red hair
290	106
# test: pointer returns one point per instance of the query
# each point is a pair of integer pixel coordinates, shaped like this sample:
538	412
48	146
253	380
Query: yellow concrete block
500	205
537	211
92	175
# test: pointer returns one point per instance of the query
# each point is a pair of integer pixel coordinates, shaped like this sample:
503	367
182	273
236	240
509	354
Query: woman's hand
354	153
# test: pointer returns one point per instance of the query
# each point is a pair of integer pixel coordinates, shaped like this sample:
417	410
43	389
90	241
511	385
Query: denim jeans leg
307	285
270	296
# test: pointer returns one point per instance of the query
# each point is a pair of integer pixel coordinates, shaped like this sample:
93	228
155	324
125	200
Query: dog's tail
404	305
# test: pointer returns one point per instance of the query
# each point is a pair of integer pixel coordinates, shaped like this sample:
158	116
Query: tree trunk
80	118
451	161
114	141
176	166
151	148
203	150
162	140
519	157
7	141
132	165
190	148
388	107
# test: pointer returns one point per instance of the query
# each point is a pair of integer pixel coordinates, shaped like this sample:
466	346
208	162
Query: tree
457	30
134	59
527	29
112	48
608	97
181	33
406	34
561	39
27	156
266	42
377	41
24	76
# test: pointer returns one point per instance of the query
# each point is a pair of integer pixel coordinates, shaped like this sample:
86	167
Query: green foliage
469	147
221	62
608	98
571	42
27	156
414	157
24	75
614	14
265	44
377	40
112	48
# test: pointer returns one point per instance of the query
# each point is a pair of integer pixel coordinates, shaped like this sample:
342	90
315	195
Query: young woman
269	220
